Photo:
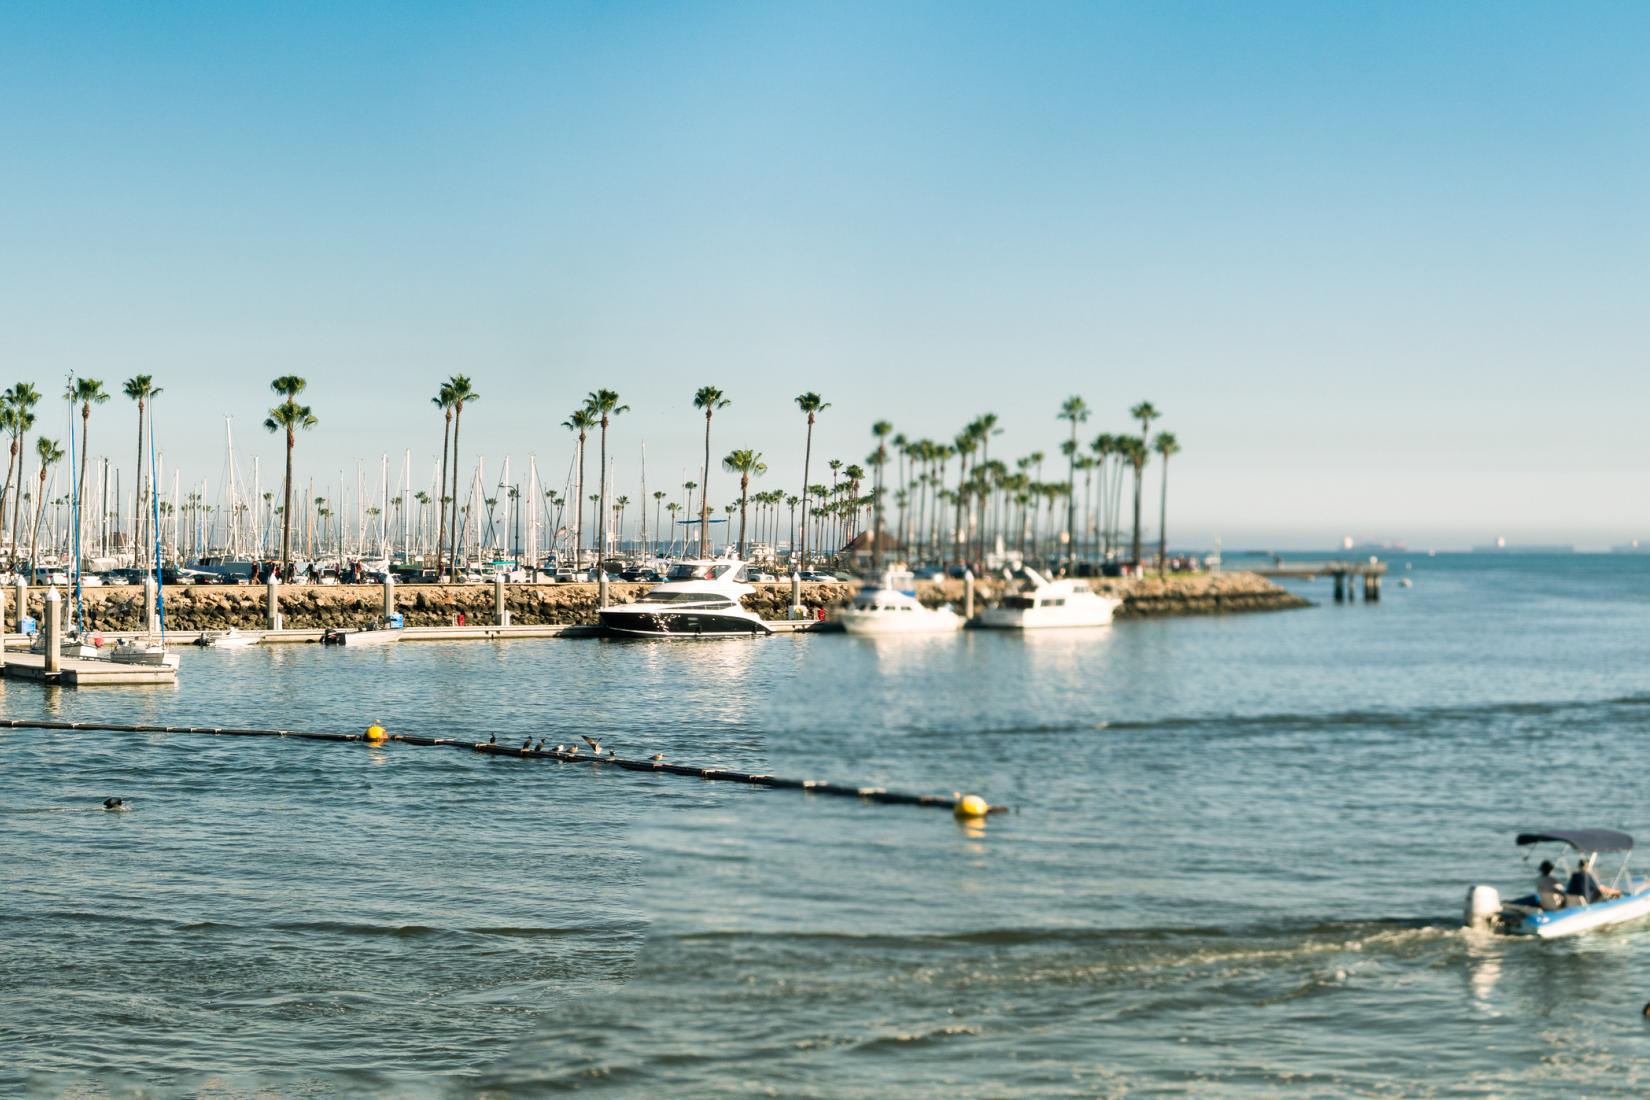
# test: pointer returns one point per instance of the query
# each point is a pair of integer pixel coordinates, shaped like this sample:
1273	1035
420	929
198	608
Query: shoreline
192	608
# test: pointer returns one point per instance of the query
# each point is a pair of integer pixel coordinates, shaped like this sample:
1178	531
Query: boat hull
882	623
1048	618
680	624
1585	918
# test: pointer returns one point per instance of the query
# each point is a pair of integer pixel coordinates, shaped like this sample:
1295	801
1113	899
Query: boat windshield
704	599
1020	603
690	571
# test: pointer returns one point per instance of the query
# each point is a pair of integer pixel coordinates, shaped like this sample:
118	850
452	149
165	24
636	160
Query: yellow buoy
375	734
971	805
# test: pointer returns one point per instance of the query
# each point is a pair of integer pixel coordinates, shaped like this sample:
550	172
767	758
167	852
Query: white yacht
1041	604
889	605
697	599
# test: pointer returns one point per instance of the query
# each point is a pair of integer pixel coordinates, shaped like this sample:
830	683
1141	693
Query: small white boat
228	639
357	638
131	651
698	599
1570	912
74	645
889	605
1042	604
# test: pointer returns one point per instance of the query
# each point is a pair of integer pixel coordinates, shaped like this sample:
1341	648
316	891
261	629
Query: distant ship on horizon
1501	546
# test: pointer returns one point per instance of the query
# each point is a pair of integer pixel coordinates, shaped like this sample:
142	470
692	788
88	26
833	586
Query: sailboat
142	651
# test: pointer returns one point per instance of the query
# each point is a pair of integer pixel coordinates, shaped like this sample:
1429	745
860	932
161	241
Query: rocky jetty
215	607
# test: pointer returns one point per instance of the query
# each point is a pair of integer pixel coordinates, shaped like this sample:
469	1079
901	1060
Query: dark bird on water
527	744
114	803
492	739
595	746
540	746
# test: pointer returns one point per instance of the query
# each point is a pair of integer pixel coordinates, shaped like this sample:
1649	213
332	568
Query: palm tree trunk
5	494
80	488
578	511
286	509
441	498
39	510
458	415
807	454
599	536
1163	520
704	496
744	487
1136	541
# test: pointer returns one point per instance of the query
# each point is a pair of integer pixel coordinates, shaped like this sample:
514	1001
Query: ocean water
1234	865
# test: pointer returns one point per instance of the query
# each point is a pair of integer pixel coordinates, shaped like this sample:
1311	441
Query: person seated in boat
1549	891
1585	884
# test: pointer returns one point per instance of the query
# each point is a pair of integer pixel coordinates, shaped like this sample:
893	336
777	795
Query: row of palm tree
986	496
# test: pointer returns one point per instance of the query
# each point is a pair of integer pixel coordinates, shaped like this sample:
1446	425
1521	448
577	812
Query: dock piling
22	603
151	622
272	602
389	596
601	587
968	593
796	594
52	631
501	616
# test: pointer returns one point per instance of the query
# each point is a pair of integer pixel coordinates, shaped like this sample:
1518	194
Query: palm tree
1145	412
49	454
443	400
658	502
1075	410
85	392
142	389
8	424
1135	454
747	464
580	420
462	392
880	431
985	426
423	500
603	404
687	505
619	506
710	399
288	416
22	398
811	404
1165	445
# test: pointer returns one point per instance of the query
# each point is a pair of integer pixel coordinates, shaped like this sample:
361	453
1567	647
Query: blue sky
1383	266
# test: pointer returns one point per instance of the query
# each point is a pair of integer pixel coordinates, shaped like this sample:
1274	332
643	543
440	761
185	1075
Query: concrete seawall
215	607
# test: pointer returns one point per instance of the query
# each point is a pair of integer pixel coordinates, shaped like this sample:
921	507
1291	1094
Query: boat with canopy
1590	901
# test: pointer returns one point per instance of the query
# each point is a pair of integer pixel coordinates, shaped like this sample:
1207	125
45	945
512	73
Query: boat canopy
1582	840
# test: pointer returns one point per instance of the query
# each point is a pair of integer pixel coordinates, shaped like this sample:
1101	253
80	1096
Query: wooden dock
82	672
1344	573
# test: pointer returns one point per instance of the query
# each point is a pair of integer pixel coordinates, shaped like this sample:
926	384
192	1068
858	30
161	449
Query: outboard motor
1483	907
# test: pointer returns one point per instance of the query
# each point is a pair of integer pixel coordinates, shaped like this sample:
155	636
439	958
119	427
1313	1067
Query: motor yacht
697	599
889	605
1039	603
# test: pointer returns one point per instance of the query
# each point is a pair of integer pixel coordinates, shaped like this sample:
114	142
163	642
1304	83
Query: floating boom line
965	806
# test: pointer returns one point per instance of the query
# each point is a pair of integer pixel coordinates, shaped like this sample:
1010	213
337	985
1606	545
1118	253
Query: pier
1345	574
84	672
